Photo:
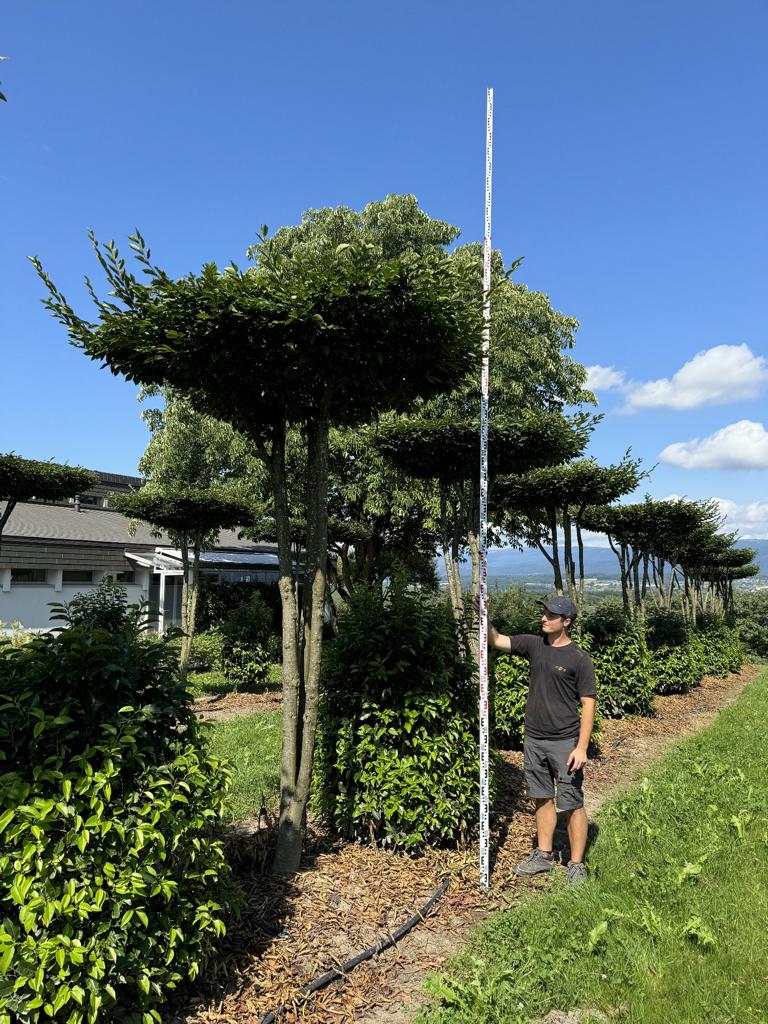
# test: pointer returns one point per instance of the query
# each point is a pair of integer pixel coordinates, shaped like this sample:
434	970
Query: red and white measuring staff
484	739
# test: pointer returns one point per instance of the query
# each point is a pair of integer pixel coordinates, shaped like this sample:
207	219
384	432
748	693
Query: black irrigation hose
348	965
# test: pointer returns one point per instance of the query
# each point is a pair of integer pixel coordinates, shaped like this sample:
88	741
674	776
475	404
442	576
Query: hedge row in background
632	665
112	878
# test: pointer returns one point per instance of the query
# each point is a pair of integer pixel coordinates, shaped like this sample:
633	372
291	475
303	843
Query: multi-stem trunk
301	649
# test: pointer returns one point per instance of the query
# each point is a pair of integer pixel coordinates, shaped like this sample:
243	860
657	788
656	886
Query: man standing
556	739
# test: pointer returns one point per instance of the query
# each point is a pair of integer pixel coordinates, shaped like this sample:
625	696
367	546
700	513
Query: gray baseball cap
560	606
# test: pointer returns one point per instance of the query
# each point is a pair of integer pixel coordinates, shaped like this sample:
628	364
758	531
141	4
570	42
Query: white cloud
603	378
724	373
749	519
742	445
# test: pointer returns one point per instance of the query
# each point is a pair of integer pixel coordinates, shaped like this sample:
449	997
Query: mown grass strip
252	744
671	926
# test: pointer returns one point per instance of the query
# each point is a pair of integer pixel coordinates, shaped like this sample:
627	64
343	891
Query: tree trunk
190	603
302	689
580	543
473	637
555	560
570	568
186	590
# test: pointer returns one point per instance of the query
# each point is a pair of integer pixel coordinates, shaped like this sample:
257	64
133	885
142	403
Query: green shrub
665	628
508	694
207	651
514	610
752	622
606	623
622	671
248	624
674	669
111	874
398	754
247	668
103	608
718	649
217	601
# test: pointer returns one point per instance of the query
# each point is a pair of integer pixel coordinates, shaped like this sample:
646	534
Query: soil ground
348	897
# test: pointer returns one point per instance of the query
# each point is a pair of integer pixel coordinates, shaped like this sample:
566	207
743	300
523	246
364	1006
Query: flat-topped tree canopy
190	511
22	479
448	450
577	485
341	333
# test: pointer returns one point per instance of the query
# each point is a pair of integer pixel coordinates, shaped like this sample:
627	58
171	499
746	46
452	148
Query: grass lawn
252	744
201	683
671	925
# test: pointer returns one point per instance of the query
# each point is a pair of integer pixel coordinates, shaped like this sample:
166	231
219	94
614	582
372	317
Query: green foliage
752	622
200	511
674	669
248	624
111	874
398	755
719	649
22	479
604	623
15	634
103	608
217	600
508	694
247	668
624	685
514	610
207	651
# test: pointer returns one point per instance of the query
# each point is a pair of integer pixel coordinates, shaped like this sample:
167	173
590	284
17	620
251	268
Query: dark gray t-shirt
560	677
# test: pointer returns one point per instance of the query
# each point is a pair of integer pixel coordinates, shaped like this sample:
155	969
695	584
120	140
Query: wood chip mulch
348	897
221	707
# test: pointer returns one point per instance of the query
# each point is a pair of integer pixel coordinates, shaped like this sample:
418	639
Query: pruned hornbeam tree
447	452
307	339
672	547
550	504
25	479
193	520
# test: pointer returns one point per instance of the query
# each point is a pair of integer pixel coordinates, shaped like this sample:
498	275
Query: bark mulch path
348	897
221	707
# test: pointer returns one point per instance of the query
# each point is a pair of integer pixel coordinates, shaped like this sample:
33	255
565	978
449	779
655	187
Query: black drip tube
340	972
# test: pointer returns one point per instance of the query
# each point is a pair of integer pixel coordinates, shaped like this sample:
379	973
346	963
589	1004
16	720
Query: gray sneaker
534	864
576	873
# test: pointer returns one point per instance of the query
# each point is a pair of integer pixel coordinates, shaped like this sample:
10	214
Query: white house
50	552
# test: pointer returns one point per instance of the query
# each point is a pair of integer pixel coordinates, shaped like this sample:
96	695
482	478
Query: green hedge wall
112	878
398	755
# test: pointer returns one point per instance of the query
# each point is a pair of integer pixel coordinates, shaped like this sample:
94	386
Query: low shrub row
112	875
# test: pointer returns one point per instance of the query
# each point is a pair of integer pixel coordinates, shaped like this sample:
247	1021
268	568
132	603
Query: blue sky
630	170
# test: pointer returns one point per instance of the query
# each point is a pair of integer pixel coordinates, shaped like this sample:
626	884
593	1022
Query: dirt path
348	896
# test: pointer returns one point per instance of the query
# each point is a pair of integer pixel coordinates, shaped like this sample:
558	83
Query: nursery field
348	895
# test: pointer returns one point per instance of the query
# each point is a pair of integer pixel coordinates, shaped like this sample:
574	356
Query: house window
124	577
29	576
77	576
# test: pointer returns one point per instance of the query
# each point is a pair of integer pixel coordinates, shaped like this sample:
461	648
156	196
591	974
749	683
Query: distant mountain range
599	563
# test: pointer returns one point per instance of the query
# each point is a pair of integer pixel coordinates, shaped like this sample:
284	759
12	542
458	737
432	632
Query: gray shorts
545	767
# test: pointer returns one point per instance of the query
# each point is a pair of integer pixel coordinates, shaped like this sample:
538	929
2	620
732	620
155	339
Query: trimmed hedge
112	877
398	755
